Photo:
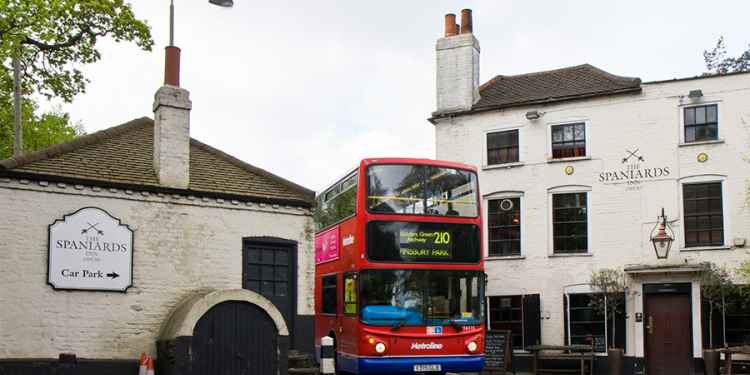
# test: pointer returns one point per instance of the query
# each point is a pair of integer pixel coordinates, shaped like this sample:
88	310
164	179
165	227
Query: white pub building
576	165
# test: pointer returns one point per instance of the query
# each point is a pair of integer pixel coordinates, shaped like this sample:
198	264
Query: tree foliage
744	270
716	285
718	62
611	287
39	131
55	37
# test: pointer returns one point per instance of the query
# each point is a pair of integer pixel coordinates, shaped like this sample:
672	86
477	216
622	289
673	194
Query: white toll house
138	238
583	171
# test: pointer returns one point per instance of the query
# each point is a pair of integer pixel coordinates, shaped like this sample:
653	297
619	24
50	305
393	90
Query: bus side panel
346	338
349	329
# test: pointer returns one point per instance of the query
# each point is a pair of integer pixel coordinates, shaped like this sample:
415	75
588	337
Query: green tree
718	62
55	37
39	131
716	285
611	286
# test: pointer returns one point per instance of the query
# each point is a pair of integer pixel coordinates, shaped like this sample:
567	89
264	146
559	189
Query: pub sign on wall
90	250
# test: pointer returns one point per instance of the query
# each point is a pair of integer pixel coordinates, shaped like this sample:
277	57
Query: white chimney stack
457	65
172	127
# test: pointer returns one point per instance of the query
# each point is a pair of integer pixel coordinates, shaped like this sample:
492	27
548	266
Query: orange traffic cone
150	367
143	364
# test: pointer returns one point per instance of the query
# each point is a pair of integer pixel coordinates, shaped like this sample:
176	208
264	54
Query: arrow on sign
113	275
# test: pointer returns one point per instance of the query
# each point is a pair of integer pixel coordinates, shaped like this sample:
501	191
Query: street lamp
222	3
662	236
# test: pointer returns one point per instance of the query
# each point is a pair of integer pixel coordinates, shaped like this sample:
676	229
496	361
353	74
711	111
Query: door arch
202	321
235	338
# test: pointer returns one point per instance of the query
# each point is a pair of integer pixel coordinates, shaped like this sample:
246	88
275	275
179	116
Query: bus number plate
420	368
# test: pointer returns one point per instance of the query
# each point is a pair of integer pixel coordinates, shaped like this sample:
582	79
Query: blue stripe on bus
405	365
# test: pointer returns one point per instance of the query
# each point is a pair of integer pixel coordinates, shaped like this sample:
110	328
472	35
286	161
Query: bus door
349	334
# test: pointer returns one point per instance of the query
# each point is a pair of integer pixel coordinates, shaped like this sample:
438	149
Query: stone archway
176	339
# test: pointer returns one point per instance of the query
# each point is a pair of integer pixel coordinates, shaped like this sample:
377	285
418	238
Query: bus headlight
471	346
380	348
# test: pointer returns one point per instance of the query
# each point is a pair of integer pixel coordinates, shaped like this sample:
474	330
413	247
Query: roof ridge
614	77
251	168
72	145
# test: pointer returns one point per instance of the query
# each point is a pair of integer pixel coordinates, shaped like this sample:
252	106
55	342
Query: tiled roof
123	155
574	82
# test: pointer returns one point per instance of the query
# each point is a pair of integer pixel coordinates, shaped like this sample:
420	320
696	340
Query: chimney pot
451	28
466	24
172	66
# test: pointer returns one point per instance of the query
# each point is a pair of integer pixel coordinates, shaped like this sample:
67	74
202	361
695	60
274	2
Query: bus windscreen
413	242
421	297
421	190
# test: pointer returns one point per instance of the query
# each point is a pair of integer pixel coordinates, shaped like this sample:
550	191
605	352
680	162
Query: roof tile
124	154
552	86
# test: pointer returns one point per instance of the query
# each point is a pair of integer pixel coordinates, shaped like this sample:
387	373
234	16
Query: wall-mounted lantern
662	237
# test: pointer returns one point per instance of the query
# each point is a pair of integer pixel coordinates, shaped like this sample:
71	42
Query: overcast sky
305	89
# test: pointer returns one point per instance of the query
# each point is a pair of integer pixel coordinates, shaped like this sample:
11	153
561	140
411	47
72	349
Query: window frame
323	197
683	126
721	317
522	226
486	148
521	322
323	278
586	138
570	189
567	326
725	204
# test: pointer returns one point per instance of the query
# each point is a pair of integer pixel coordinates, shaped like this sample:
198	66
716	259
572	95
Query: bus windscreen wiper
455	325
398	324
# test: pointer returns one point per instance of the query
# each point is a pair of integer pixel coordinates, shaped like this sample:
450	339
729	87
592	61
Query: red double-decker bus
399	280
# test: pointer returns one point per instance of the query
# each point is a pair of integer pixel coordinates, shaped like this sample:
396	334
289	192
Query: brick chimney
457	65
172	126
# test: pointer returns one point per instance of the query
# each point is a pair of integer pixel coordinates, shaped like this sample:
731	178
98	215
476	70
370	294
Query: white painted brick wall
621	220
181	246
457	72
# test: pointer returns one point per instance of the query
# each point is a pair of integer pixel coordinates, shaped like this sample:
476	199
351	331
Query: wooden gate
235	338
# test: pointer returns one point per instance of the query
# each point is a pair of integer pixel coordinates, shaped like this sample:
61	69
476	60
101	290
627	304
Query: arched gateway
224	332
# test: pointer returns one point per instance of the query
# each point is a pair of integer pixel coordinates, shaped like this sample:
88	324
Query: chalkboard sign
498	353
599	345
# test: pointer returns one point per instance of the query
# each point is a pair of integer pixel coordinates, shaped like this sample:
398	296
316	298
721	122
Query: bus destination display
400	241
419	244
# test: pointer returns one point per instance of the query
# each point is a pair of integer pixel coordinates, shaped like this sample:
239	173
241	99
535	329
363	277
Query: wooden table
728	355
585	352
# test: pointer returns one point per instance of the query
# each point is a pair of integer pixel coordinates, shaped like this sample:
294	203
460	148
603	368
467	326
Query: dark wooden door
235	338
269	269
668	334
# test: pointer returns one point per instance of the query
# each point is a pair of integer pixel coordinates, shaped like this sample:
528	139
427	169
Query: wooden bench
728	356
583	354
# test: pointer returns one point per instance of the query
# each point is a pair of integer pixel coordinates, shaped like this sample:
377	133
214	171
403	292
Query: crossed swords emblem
632	154
92	227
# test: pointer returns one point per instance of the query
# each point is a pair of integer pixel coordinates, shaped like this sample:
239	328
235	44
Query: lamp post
662	236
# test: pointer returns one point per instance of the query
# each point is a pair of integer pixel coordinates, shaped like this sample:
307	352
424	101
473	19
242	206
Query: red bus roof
439	163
